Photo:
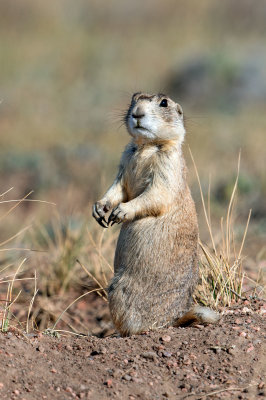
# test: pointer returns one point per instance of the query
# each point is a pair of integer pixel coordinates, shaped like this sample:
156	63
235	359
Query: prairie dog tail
198	315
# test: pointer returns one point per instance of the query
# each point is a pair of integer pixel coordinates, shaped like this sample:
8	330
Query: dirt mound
199	362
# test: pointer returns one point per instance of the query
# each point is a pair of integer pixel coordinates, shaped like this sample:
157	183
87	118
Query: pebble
250	348
127	377
167	354
40	349
150	355
117	372
256	328
1	385
109	383
166	338
243	334
246	310
137	380
102	350
198	326
232	351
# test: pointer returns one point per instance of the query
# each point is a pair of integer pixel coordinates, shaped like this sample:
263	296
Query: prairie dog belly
155	267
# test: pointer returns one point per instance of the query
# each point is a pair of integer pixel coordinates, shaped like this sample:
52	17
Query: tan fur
156	260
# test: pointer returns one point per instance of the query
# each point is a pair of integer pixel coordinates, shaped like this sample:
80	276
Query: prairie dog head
155	117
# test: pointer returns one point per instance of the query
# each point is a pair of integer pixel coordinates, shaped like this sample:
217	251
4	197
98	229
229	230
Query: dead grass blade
203	201
94	279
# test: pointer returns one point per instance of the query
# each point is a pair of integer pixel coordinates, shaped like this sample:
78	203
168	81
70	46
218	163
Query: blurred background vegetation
67	71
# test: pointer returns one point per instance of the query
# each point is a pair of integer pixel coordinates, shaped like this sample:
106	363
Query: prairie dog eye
164	103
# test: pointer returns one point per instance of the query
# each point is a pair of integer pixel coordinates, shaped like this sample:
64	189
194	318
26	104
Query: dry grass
12	276
74	263
221	263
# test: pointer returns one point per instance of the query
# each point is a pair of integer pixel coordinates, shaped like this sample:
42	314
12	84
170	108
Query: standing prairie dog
156	259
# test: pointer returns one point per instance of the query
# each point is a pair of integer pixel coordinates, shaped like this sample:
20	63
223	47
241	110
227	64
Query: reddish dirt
222	361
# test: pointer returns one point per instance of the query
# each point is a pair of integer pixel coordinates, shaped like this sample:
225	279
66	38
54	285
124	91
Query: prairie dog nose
138	113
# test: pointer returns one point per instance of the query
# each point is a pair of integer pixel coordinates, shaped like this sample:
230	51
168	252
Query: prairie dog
156	258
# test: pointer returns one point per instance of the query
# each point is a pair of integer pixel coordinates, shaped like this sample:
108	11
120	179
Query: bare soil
222	361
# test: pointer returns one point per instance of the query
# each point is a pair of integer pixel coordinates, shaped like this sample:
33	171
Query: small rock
246	310
250	348
150	355
198	326
261	385
102	350
1	385
166	338
16	392
243	334
232	351
53	370
117	373
238	321
68	347
109	383
262	311
137	380
127	377
167	354
40	349
256	328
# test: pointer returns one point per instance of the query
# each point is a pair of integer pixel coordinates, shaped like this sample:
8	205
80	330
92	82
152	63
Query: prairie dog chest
139	170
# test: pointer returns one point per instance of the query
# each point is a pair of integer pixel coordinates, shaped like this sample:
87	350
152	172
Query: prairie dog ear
179	110
135	95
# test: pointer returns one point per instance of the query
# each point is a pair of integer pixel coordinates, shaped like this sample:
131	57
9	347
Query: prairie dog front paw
121	213
99	210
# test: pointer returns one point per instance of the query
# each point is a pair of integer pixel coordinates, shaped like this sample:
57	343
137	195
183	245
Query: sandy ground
222	361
